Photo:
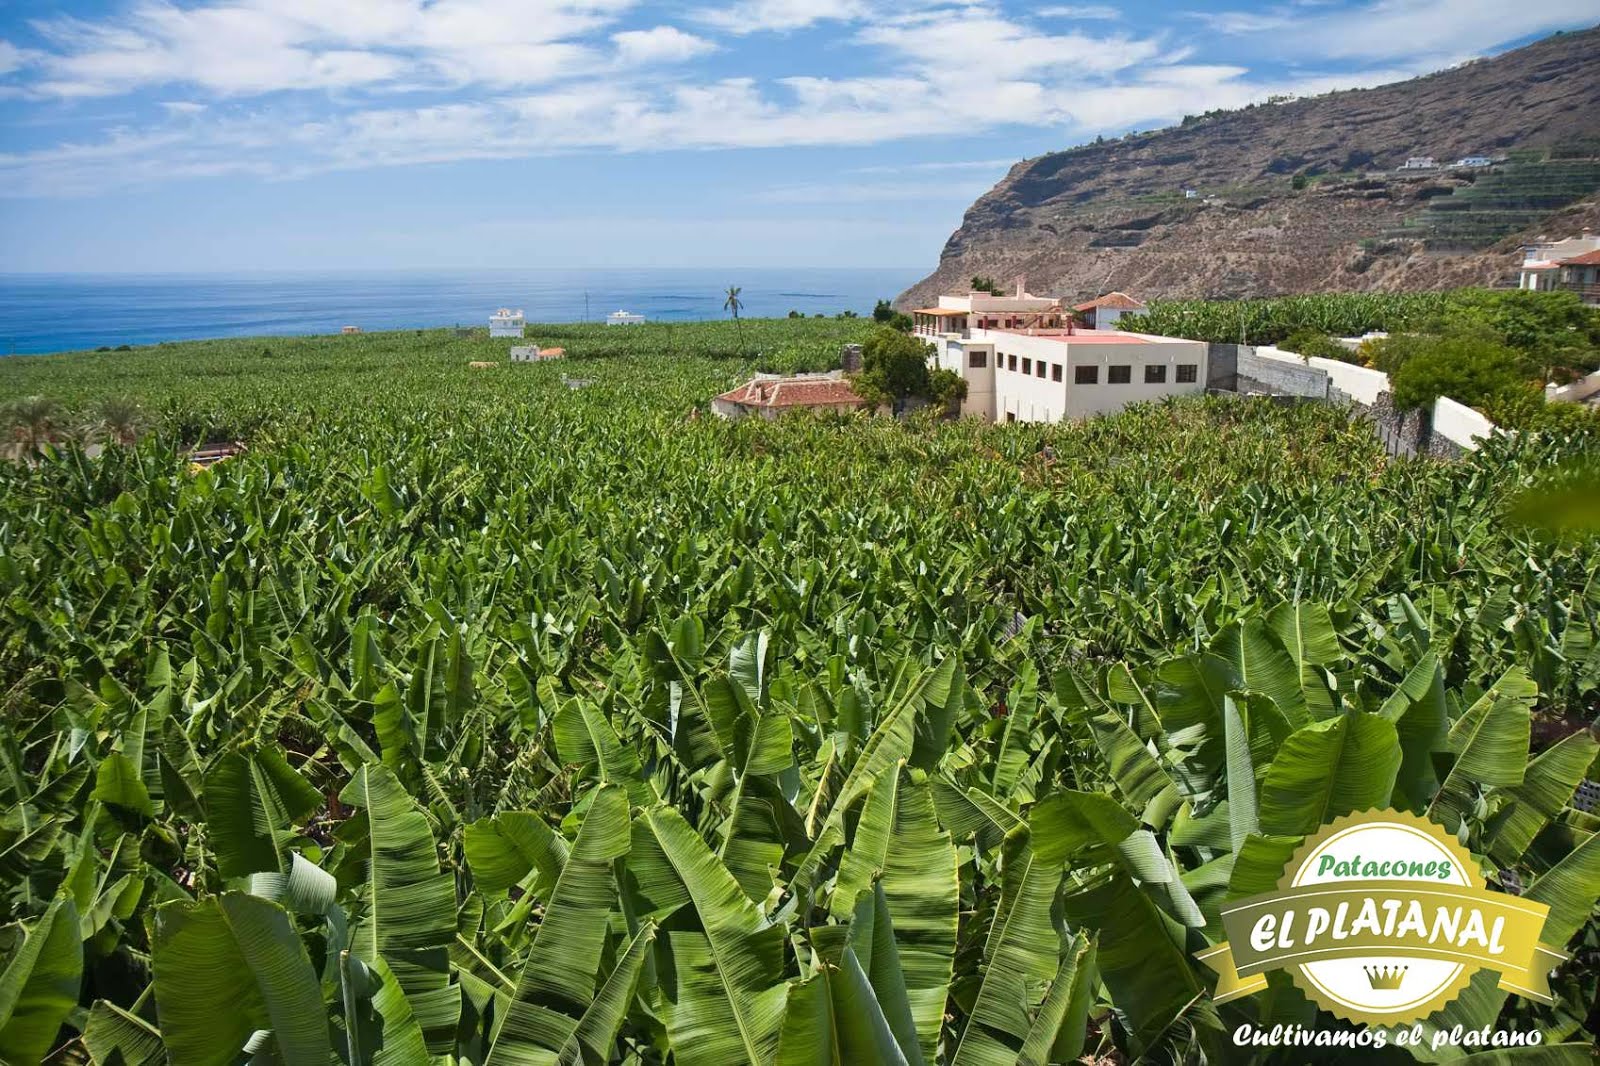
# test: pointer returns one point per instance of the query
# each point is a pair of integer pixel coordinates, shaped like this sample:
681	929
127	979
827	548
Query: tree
1471	370
35	416
984	283
947	389
883	311
733	305
894	366
118	420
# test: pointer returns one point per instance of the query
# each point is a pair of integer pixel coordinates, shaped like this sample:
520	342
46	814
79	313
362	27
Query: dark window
978	359
1011	362
1011	416
1038	369
1155	374
1027	365
1055	371
1186	373
1085	375
1119	375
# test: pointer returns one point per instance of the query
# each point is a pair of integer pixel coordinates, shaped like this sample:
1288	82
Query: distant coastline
42	313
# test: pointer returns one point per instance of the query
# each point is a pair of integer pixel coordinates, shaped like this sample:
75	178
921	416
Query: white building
1541	263
1420	162
506	323
1472	161
624	318
1103	311
1025	361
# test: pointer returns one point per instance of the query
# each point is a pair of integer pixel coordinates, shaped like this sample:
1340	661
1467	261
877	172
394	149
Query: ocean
68	312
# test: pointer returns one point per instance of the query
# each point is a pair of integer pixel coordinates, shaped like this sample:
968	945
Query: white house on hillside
1024	360
624	318
1541	263
506	323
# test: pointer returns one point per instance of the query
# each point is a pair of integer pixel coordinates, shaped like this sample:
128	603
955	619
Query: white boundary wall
1453	421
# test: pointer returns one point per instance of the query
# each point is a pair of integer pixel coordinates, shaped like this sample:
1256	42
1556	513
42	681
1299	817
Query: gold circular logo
1380	989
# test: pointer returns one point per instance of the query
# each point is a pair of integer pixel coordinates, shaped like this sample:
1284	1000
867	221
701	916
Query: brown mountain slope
1112	215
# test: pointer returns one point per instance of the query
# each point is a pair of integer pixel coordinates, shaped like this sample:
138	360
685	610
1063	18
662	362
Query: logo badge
1382	918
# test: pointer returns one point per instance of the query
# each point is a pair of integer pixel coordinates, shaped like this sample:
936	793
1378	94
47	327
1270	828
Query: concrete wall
1460	424
1267	370
1024	396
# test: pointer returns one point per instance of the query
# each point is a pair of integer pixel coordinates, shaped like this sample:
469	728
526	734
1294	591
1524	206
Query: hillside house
1024	359
506	323
770	395
624	318
1420	162
1580	274
1541	263
1103	311
1472	162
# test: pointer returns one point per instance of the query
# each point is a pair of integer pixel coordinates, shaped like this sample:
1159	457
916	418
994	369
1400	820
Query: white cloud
961	192
758	16
1086	12
1395	29
662	44
259	46
12	58
917	168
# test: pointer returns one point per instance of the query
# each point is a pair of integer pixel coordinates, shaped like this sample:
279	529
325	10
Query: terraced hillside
1303	195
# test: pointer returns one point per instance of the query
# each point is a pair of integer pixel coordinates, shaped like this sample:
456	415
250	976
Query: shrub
1470	370
1310	342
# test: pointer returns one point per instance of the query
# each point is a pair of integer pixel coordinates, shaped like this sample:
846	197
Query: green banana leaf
40	984
557	983
724	1002
227	966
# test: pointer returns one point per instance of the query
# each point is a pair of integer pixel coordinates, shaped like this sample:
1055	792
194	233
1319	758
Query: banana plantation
522	715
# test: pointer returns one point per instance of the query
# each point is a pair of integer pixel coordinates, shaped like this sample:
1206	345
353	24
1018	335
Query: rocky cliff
1304	195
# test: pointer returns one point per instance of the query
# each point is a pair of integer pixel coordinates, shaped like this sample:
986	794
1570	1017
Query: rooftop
793	392
1083	336
1586	259
1116	301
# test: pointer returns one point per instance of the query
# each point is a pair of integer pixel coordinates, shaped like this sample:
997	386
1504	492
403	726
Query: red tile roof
1116	301
793	392
1586	259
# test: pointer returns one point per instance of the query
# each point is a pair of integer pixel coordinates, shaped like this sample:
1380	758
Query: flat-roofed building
1032	364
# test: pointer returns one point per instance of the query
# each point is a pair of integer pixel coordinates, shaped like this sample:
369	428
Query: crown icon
1385	978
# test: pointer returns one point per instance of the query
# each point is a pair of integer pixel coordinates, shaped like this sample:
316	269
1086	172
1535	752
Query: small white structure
1541	263
506	323
1103	311
1024	359
1472	161
1420	162
348	330
1190	194
532	353
624	318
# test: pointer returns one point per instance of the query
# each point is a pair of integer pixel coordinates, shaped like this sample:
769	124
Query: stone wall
1287	378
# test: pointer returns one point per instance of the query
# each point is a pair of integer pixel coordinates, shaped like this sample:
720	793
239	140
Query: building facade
1103	311
1024	360
506	323
1541	263
624	318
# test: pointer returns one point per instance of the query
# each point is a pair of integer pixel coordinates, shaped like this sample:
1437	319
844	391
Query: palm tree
120	419
35	416
733	305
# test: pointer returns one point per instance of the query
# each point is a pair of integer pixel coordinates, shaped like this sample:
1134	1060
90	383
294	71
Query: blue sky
237	135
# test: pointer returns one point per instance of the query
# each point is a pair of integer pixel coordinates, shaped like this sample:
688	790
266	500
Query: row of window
1154	373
